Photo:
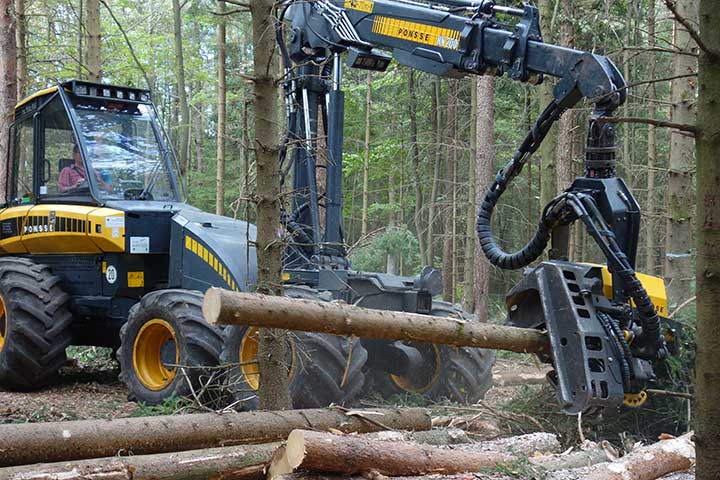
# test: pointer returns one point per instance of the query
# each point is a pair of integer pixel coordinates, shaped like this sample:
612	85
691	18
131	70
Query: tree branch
650	121
661	50
692	31
237	2
129	44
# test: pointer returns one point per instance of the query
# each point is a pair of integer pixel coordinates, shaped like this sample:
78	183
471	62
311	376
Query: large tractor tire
34	325
460	374
166	347
323	369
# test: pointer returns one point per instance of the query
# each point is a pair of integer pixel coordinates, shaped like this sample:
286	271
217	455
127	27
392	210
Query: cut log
645	463
353	454
245	462
588	455
53	442
238	308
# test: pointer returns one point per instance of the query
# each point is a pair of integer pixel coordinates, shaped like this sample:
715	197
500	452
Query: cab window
22	184
61	168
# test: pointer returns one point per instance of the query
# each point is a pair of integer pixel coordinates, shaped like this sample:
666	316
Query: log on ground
645	463
226	307
246	462
53	442
353	454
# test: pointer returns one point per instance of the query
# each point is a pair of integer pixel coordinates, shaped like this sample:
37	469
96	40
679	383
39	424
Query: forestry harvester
99	246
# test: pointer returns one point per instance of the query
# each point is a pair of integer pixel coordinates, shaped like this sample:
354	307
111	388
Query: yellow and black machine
99	246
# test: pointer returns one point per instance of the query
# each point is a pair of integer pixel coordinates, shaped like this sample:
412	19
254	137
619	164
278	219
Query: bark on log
352	454
53	442
245	462
226	307
645	463
444	436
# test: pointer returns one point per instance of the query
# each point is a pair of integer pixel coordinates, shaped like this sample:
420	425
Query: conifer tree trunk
184	127
21	45
8	88
563	153
546	152
449	216
415	159
221	112
272	350
92	49
436	124
366	159
650	223
468	298
707	395
484	172
678	259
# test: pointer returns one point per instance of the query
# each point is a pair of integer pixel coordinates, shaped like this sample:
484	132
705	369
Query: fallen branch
226	307
53	442
239	463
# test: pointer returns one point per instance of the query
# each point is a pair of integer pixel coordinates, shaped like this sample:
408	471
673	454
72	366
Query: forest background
419	150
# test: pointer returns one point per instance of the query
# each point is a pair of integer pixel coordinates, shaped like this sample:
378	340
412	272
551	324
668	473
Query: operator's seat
64	162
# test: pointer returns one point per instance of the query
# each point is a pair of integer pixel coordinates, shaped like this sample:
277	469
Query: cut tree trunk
238	308
645	463
352	454
242	462
53	442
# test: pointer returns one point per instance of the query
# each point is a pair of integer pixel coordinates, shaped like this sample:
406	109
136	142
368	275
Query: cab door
21	195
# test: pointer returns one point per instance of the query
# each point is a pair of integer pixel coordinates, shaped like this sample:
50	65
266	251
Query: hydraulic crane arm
452	37
466	37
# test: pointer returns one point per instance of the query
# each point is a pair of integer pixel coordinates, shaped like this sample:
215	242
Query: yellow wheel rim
152	351
3	323
248	358
422	381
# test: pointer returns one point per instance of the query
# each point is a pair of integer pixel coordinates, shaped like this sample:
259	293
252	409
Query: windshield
122	146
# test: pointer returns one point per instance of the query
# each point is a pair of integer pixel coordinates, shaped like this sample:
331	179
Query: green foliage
98	358
398	241
170	405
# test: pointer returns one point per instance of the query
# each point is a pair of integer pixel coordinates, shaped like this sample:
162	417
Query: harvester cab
96	237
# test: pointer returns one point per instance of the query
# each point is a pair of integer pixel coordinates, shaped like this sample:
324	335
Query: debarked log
226	307
58	441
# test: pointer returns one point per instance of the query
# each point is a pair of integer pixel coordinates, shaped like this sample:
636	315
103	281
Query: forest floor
90	389
519	402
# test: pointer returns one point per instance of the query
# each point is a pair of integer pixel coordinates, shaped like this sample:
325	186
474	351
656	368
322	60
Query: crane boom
456	38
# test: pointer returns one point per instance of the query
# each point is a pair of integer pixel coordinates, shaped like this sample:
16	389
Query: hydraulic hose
536	246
